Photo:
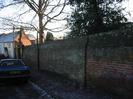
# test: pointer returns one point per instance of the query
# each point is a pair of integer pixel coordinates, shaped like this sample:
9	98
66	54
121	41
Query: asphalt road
43	85
31	90
28	90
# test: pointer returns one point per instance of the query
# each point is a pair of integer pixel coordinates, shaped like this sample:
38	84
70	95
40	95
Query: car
2	56
14	70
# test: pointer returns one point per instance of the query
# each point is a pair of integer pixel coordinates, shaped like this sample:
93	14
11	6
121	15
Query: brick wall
108	68
63	57
111	69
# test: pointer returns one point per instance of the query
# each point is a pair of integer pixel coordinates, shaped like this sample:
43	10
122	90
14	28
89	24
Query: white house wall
10	48
1	48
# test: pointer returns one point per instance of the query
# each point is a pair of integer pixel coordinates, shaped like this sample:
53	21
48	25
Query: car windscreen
12	63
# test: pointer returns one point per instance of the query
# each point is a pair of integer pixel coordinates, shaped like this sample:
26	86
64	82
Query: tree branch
45	5
64	4
58	29
11	4
31	4
22	23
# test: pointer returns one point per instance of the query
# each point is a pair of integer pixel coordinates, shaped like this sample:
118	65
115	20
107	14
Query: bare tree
45	11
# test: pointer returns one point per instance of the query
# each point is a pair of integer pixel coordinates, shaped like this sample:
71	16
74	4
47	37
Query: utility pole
14	43
20	44
38	53
85	60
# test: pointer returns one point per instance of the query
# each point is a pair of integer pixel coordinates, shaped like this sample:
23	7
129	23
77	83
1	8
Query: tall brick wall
108	68
111	69
63	57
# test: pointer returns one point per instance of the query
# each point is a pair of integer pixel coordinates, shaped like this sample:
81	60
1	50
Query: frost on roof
8	37
31	37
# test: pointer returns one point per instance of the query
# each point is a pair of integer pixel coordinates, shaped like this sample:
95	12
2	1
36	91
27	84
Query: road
44	85
31	90
28	90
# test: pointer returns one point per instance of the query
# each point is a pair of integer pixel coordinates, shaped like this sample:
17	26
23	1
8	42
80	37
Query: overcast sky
10	11
129	8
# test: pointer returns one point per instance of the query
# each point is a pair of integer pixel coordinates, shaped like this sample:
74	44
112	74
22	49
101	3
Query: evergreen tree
49	37
94	16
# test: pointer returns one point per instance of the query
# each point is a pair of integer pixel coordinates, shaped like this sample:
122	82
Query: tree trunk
40	15
41	33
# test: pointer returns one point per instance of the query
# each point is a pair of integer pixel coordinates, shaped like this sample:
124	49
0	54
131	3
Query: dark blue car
13	69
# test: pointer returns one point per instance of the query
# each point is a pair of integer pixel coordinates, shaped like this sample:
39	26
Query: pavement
56	86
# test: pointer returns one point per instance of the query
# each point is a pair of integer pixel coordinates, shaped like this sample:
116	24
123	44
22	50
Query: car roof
9	59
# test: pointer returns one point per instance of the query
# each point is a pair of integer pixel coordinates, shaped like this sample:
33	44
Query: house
32	38
11	44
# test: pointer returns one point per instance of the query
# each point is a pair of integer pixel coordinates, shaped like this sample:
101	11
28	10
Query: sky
129	8
10	11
